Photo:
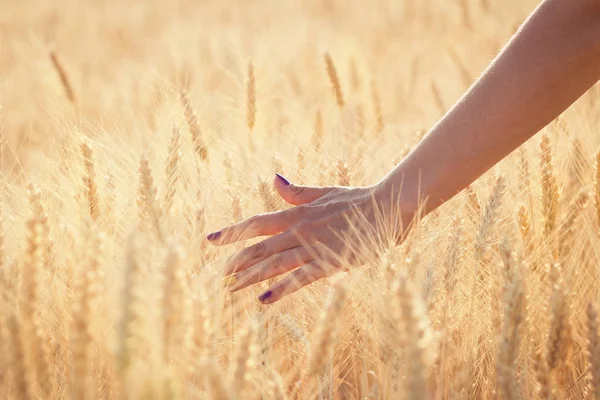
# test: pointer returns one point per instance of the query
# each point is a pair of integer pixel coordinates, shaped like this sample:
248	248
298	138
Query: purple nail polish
265	296
283	180
214	236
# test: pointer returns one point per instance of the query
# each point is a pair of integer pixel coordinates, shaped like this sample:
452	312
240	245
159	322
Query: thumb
297	195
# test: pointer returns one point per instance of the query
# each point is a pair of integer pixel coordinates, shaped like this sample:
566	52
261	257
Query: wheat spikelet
578	165
452	261
148	209
63	76
489	217
473	203
266	195
317	137
524	180
251	99
300	165
335	81
228	170
22	373
550	194
237	213
36	356
276	163
567	225
219	391
293	328
129	329
200	220
175	307
243	362
324	333
481	287
412	316
525	228
110	199
263	322
201	330
514	311
593	349
343	173
89	181
39	211
85	310
543	377
278	391
198	144
560	332
172	171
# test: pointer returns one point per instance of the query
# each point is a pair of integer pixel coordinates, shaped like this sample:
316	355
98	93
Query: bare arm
550	63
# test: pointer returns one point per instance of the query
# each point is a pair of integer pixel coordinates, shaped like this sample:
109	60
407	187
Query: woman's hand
317	238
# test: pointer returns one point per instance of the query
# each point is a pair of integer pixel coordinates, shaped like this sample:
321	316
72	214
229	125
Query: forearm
548	65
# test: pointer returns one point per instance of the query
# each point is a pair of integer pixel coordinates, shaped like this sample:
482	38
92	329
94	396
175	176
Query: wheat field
131	129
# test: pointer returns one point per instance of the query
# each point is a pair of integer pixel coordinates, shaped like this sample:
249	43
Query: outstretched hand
317	238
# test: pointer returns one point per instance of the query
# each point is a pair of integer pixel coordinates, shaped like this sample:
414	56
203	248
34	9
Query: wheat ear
63	76
335	80
89	181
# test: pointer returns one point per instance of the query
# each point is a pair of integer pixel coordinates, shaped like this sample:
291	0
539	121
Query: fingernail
265	296
283	180
214	236
228	280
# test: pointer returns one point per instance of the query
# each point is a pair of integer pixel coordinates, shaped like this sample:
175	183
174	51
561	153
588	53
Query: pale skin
551	62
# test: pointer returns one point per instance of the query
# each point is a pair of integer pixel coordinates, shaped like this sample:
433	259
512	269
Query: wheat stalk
550	194
83	319
198	144
63	76
89	181
512	328
324	333
174	307
172	168
334	80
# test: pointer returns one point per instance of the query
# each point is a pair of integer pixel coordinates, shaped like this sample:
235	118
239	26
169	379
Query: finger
262	250
298	279
296	195
257	225
271	267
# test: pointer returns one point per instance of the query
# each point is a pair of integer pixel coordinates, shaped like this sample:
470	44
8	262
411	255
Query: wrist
397	197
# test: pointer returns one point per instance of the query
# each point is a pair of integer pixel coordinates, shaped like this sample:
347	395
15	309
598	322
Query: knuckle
300	211
305	228
275	262
257	250
255	221
300	279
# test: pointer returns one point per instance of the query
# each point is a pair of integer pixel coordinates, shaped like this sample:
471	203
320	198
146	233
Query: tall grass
109	289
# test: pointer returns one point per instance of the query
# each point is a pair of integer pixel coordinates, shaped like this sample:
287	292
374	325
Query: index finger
257	225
